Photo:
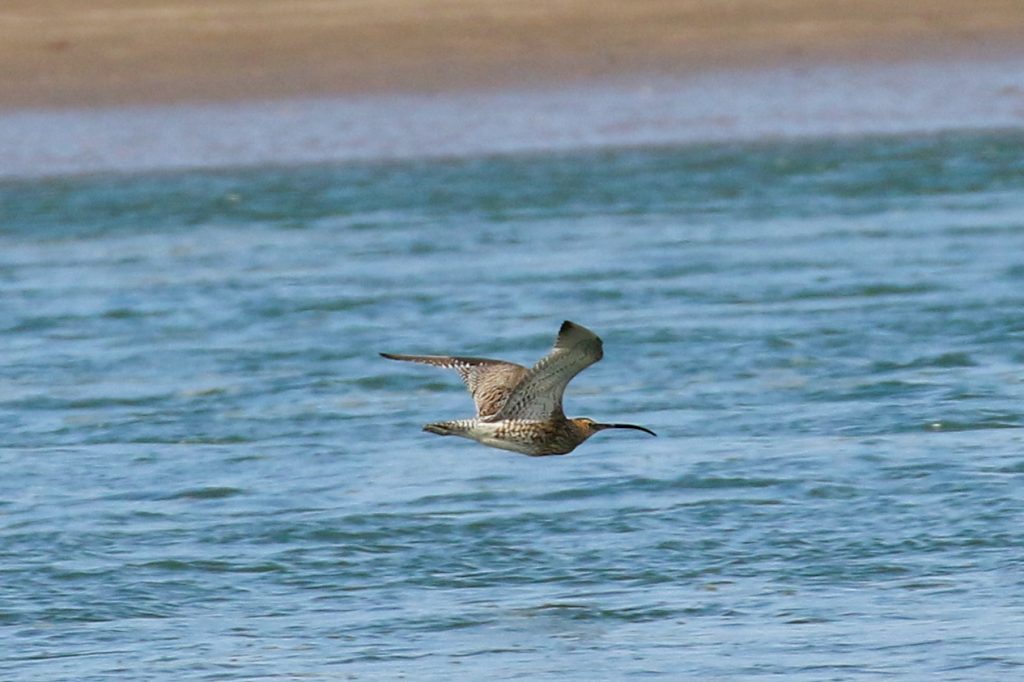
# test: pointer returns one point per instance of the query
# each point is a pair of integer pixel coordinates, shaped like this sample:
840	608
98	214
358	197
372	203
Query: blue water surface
210	474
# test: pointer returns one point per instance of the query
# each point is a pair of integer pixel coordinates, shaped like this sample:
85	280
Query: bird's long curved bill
627	426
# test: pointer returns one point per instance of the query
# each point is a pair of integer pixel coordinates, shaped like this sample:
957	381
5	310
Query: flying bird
520	409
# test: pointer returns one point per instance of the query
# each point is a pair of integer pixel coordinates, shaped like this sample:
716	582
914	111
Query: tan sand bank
106	52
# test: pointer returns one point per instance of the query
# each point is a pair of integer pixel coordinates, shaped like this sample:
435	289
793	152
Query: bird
520	409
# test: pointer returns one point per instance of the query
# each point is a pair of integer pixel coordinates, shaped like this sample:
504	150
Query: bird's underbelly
525	437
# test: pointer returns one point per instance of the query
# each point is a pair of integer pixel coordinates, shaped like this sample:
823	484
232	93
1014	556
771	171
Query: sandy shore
61	53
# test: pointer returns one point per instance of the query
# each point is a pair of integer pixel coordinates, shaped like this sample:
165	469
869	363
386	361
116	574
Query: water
209	474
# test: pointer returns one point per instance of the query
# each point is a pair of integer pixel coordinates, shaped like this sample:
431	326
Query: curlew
520	409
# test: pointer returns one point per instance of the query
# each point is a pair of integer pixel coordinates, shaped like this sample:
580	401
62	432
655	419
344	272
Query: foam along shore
728	105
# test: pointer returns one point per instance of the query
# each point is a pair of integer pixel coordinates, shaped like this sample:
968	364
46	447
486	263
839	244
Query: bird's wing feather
539	395
489	381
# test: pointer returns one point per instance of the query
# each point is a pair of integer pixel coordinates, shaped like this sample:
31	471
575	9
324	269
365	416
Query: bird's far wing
539	395
488	381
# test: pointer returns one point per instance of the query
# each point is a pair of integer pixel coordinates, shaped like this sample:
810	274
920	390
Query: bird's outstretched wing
539	395
489	381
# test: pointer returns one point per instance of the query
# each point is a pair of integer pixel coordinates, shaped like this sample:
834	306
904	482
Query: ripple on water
206	493
683	483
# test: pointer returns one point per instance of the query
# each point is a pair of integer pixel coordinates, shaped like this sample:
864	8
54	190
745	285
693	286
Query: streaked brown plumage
520	409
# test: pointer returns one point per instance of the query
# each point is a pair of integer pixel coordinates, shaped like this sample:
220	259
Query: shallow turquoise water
210	474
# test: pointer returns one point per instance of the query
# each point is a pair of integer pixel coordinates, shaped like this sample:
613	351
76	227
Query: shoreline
722	106
140	85
58	54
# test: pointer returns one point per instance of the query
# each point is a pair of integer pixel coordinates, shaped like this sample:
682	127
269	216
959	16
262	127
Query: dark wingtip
571	333
389	356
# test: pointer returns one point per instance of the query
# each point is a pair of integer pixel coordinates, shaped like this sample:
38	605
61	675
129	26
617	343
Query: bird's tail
457	427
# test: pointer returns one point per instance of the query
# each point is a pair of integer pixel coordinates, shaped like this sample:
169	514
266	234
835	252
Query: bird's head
588	427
